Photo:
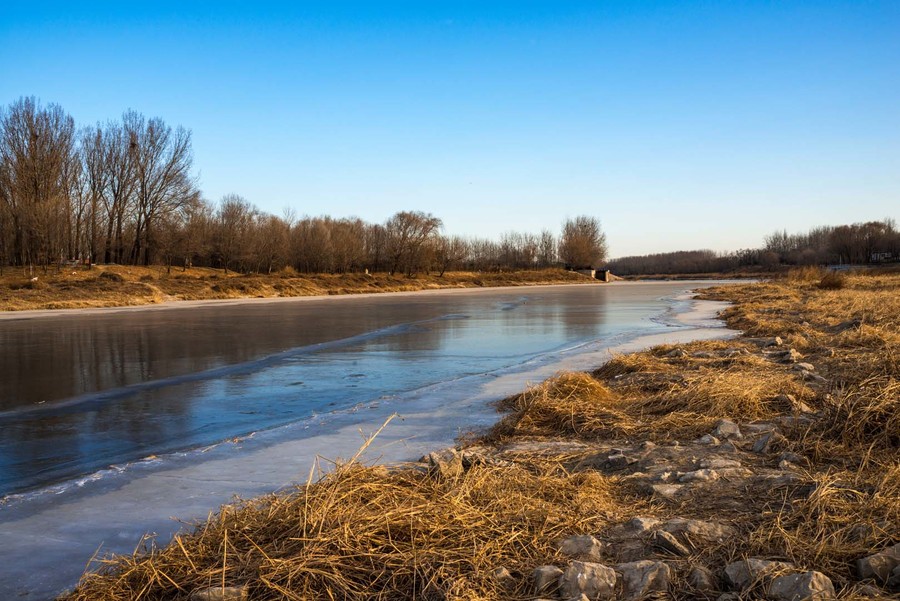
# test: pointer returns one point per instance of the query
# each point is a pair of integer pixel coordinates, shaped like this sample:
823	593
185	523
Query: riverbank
121	286
762	466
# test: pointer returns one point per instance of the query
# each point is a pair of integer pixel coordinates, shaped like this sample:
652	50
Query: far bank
122	286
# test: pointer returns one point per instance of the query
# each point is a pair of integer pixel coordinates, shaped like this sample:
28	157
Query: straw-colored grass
367	533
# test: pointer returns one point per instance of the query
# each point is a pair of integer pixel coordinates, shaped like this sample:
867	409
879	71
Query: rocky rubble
646	556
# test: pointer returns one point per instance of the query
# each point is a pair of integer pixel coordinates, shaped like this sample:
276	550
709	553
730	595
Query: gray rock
641	578
668	543
677	353
719	463
879	567
811	585
595	580
698	530
643	524
742	574
618	461
725	428
785	479
703	355
767	441
701	579
584	547
792	458
546	579
446	463
218	593
893	583
665	491
708	439
811	377
699	476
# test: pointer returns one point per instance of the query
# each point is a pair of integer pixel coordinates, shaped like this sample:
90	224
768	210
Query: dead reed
370	533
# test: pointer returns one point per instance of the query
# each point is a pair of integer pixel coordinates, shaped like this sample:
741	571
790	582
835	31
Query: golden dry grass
115	286
367	533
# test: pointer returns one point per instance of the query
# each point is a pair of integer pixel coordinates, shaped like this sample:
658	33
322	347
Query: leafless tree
583	242
407	233
162	159
118	158
234	221
36	150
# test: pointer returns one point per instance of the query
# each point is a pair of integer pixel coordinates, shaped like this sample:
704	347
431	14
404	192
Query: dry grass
366	533
114	285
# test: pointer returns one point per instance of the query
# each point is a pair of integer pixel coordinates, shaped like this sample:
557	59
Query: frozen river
114	421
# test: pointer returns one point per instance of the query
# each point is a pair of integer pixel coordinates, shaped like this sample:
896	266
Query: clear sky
679	124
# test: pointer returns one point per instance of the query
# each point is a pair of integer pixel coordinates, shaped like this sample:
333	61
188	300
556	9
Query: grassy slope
368	532
116	286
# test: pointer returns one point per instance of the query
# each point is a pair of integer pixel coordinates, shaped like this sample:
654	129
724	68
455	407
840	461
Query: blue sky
679	124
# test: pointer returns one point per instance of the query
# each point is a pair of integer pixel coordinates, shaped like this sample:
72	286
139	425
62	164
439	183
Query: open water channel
114	421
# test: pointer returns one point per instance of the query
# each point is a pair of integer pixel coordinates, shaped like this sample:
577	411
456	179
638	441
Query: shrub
832	281
111	276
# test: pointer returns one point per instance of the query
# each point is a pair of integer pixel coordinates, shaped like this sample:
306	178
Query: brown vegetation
813	481
116	286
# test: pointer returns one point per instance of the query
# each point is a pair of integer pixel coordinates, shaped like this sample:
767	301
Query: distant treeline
124	192
873	242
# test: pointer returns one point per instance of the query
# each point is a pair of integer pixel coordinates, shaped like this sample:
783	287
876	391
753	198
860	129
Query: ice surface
47	537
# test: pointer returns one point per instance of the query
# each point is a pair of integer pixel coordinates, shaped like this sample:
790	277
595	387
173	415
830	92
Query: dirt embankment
763	467
118	286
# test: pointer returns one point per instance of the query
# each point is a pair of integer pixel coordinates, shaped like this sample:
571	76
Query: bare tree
583	243
163	182
547	249
407	233
36	150
234	220
120	184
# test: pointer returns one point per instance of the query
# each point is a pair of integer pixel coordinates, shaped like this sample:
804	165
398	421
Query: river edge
119	287
795	496
213	302
67	521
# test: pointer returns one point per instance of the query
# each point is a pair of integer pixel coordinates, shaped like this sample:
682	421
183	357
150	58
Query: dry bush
832	281
805	275
366	533
573	404
111	276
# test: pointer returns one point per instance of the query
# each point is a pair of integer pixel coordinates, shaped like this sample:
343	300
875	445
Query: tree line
124	192
872	242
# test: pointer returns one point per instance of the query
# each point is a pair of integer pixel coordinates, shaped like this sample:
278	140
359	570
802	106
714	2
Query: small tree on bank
583	243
